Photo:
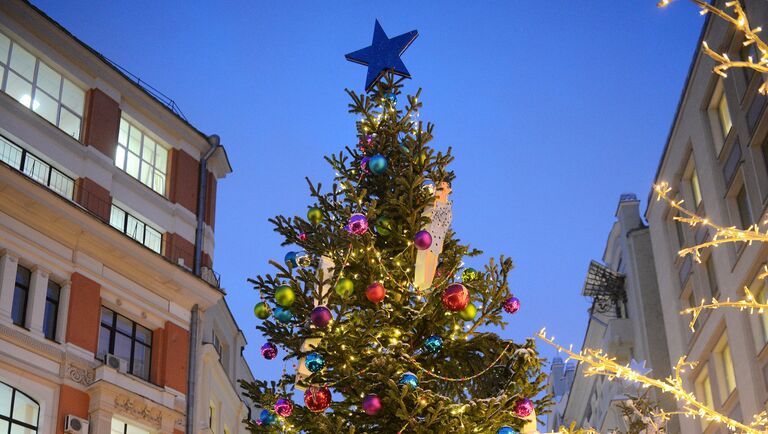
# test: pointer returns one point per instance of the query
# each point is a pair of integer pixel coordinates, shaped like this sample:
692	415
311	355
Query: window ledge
136	385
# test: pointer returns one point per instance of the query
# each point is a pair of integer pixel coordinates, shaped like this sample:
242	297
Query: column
61	321
38	289
8	263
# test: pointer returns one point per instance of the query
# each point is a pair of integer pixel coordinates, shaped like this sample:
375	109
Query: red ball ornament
375	292
523	407
303	236
455	297
317	398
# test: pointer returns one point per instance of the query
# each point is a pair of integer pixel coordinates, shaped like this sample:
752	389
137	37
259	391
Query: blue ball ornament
378	164
283	315
290	259
391	97
314	362
410	379
266	418
433	344
506	430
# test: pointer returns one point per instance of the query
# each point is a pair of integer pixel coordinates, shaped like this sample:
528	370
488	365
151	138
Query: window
709	269
127	340
217	344
39	87
141	157
18	412
743	208
20	296
692	303
51	315
724	365
724	115
35	168
695	188
703	389
136	229
679	232
211	415
120	427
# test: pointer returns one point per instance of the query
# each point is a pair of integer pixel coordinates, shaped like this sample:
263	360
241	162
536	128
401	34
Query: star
383	54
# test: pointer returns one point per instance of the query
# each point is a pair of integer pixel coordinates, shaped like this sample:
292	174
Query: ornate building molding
81	375
143	411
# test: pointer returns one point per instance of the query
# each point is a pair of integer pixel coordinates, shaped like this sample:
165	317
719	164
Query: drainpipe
192	376
214	141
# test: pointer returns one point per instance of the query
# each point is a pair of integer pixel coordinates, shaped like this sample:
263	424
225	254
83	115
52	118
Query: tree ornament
283	315
422	240
506	430
262	310
383	55
284	296
284	407
269	351
391	97
378	164
511	305
344	287
358	224
375	292
469	312
290	259
383	226
410	379
266	418
439	214
303	259
314	362
317	398
364	164
456	297
303	236
314	215
523	407
320	316
469	274
371	404
433	344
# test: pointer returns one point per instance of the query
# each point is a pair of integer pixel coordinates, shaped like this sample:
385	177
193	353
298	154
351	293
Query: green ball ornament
314	215
383	226
284	296
469	312
262	310
469	274
344	287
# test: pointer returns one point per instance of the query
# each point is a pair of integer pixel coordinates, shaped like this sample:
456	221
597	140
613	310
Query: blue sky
553	110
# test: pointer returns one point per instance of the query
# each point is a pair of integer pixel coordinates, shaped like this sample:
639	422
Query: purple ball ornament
358	224
284	407
321	316
523	407
371	404
422	240
511	305
269	351
364	164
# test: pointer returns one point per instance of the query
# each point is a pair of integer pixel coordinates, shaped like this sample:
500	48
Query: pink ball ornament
358	224
371	404
523	407
455	297
269	351
422	240
303	236
321	316
283	407
511	305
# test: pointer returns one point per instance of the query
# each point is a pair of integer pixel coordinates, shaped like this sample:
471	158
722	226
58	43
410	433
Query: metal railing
213	278
36	169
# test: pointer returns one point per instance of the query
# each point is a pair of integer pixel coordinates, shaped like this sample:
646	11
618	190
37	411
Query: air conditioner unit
75	425
115	362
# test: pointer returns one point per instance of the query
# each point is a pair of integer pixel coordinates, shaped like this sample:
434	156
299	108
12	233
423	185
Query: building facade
107	205
624	320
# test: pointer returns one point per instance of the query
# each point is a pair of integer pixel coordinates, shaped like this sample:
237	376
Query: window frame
26	291
11	421
145	228
726	375
53	305
123	151
702	385
113	331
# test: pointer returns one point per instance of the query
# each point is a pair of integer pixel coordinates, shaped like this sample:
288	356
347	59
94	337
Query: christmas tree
385	328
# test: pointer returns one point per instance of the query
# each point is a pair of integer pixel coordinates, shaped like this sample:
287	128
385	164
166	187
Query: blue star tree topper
383	55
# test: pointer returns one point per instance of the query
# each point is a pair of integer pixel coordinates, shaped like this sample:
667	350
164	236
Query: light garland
741	22
599	363
459	379
747	303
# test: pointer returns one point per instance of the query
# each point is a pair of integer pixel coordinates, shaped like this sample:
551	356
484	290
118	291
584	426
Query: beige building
716	159
108	299
624	321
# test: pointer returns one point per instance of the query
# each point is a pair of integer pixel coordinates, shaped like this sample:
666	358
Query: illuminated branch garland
598	362
748	302
741	22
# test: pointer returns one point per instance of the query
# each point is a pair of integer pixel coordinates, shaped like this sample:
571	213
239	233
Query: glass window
127	340
20	296
709	268
742	205
724	115
760	290
704	392
141	157
120	427
679	232
39	87
51	315
695	188
18	412
136	229
724	365
35	168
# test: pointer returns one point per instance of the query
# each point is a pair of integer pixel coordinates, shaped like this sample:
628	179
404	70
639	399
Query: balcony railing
36	169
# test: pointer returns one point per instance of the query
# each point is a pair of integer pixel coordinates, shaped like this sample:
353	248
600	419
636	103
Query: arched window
18	412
